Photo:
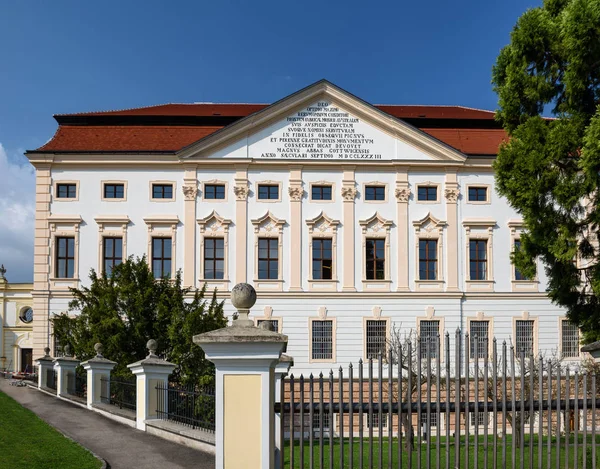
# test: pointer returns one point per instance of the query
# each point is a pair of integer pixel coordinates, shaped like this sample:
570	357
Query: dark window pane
375	259
477	194
268	259
65	257
114	191
162	191
427	193
268	192
66	191
214	191
374	193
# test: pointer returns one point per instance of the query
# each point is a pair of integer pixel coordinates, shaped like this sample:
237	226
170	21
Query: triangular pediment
321	122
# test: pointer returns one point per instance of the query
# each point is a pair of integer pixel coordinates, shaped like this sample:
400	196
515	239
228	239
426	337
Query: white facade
246	154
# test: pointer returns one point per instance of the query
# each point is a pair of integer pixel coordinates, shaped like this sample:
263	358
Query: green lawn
481	454
28	442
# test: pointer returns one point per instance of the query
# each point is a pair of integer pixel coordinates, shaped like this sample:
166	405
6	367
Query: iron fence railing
415	406
119	391
77	385
51	379
191	406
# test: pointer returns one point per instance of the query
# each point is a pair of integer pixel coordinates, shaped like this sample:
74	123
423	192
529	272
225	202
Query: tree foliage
126	309
549	169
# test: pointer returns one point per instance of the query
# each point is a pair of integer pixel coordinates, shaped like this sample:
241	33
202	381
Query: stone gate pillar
245	358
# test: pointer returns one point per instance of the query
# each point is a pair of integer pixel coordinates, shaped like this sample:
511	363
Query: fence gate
422	404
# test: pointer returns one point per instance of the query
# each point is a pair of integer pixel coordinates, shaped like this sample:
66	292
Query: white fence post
64	366
245	357
150	373
44	364
281	371
97	368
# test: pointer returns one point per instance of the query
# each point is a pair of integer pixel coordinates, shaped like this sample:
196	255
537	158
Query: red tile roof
471	141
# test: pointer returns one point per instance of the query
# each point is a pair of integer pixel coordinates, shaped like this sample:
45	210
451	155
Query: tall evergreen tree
129	307
549	169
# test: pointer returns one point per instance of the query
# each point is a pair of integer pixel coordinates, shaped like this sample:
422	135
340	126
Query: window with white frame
432	419
479	330
429	334
478	421
375	258
569	340
478	261
524	330
375	417
376	337
428	251
318	418
322	339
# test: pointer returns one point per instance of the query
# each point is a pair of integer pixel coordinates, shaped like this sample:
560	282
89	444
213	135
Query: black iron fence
418	405
191	406
77	385
51	379
119	391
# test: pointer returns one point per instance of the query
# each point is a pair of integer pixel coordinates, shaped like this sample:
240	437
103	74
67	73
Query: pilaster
296	193
348	228
190	193
451	193
241	223
402	193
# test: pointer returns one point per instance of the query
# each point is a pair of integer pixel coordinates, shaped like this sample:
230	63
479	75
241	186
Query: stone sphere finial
47	351
243	297
152	345
99	348
67	350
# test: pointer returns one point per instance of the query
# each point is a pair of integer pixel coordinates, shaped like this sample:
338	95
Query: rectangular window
316	423
427	193
268	258
214	191
375	193
427	259
480	420
481	330
322	259
478	259
384	420
114	191
477	194
321	193
518	274
161	257
429	335
432	419
112	253
322	340
273	324
570	340
66	191
162	191
376	331
524	338
214	258
375	259
268	191
65	257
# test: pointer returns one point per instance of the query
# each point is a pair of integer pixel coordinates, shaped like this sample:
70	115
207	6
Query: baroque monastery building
349	219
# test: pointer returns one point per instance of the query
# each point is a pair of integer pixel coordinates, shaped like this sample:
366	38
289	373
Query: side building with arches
16	325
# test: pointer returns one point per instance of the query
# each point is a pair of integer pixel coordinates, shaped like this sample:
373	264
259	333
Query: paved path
121	446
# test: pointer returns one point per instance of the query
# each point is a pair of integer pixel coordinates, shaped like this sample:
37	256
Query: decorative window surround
216	182
488	194
322	317
268	183
268	226
561	322
376	227
108	199
215	226
481	316
526	317
163	226
480	229
64	226
375	184
323	227
268	316
430	316
516	227
376	316
55	197
111	226
172	183
437	186
321	183
430	228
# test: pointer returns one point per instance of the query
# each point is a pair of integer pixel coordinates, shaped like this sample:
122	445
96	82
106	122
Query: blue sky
74	56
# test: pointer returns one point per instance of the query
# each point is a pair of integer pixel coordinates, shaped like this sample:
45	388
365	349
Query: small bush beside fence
119	391
191	406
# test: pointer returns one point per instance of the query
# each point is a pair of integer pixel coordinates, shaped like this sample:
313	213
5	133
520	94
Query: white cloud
17	215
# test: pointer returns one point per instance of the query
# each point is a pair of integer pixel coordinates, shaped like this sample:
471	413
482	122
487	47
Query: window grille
273	324
429	332
268	258
214	191
113	253
322	258
65	257
376	337
478	259
161	257
481	330
322	340
374	193
214	258
427	259
375	259
321	192
524	338
427	193
58	350
570	340
477	194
